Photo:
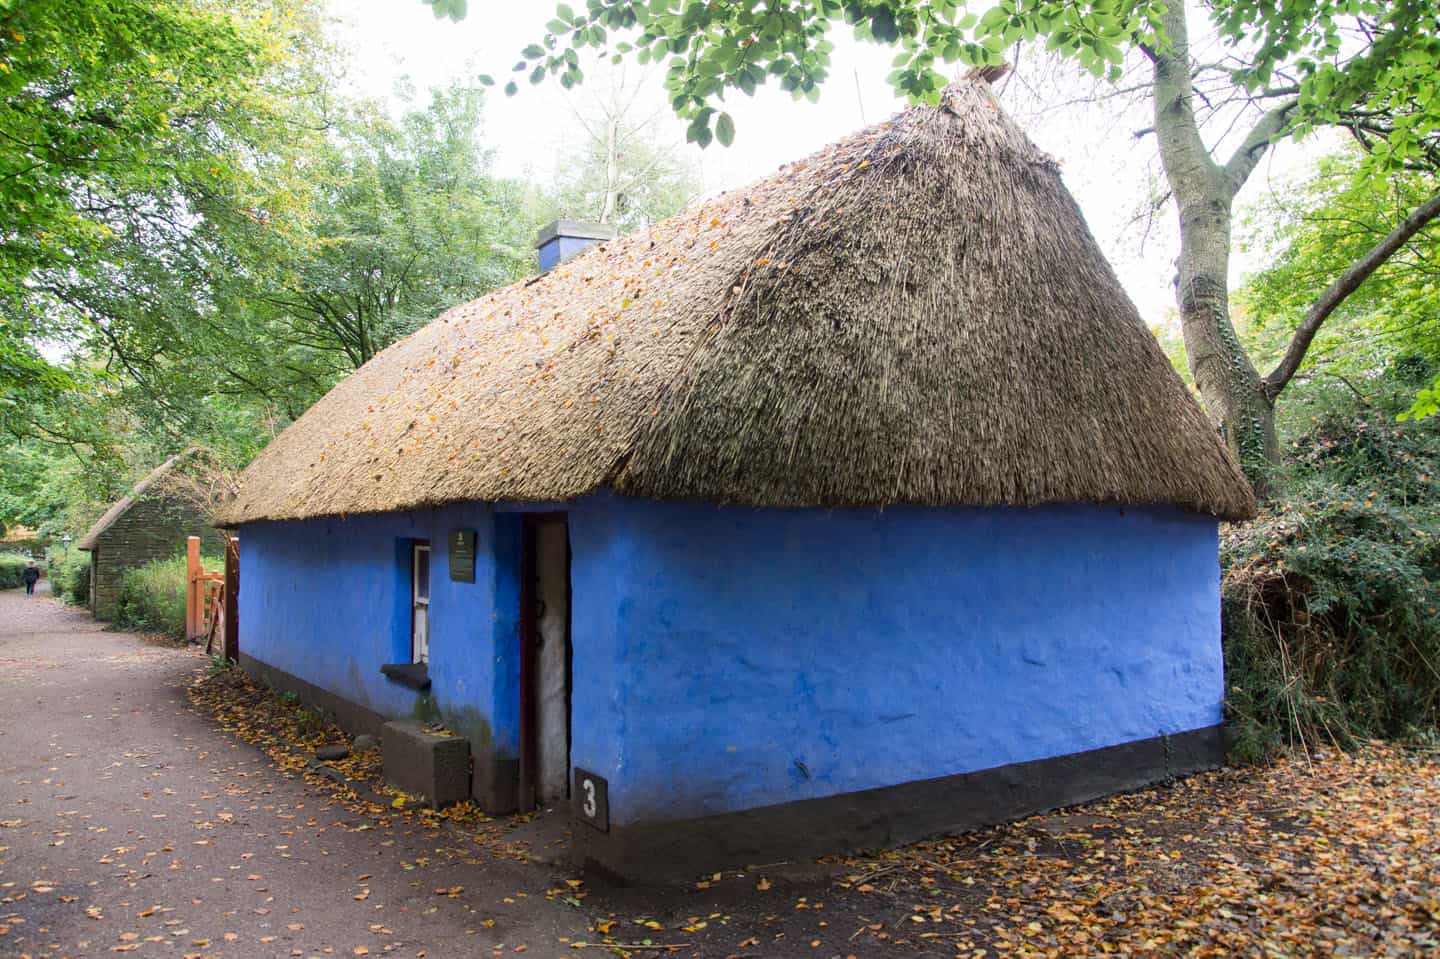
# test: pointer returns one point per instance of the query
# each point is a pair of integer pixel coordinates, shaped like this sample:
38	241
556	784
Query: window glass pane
422	573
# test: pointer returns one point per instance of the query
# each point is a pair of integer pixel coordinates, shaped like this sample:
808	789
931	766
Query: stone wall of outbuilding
154	527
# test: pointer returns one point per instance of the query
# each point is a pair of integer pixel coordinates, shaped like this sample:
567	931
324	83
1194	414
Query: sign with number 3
591	797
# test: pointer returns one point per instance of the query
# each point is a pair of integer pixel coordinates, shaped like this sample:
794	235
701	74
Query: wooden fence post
194	589
232	598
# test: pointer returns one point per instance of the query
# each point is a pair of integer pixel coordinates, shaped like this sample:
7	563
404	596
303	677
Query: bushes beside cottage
152	598
12	570
69	574
1331	597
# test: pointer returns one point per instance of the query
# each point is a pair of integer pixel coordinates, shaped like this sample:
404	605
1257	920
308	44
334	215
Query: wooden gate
211	598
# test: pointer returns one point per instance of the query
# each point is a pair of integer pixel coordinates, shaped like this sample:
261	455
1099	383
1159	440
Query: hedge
152	598
12	570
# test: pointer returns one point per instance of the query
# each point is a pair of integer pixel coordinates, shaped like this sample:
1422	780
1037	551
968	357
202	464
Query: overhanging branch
1346	284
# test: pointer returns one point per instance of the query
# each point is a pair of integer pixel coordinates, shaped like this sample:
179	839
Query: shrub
218	666
1331	598
12	570
152	598
69	573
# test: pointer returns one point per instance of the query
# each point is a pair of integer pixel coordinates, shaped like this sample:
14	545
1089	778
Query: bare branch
1266	131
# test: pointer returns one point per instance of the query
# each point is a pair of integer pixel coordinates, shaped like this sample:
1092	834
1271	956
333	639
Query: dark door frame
529	678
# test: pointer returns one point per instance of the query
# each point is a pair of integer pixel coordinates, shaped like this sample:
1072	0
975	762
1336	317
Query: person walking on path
32	576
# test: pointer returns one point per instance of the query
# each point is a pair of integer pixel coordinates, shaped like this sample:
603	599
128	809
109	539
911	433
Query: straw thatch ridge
122	505
917	314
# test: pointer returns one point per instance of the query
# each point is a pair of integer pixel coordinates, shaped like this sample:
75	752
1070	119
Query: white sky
1110	172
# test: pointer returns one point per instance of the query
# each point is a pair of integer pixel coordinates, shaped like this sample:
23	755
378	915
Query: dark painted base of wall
494	783
875	818
869	819
351	717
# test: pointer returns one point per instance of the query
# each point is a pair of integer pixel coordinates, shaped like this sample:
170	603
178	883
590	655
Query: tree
622	173
126	122
1309	92
148	143
197	238
1290	67
221	334
409	221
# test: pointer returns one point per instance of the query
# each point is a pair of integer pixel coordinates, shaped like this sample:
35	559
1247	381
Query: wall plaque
462	555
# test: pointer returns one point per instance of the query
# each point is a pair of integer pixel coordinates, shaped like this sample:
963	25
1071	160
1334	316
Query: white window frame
420	648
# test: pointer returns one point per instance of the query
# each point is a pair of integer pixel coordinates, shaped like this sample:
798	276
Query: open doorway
545	660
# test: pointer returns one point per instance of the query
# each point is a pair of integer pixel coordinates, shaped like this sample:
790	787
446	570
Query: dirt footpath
128	823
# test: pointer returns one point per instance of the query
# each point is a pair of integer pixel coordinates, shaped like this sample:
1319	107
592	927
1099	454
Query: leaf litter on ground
1329	855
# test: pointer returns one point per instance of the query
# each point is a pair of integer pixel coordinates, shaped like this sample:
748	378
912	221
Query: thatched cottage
847	508
150	522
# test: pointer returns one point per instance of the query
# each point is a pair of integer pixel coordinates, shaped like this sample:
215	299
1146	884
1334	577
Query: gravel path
130	824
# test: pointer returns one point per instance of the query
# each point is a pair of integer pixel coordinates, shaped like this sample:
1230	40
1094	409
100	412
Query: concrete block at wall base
495	784
422	763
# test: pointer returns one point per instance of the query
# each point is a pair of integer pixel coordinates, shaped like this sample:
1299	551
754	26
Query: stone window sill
414	675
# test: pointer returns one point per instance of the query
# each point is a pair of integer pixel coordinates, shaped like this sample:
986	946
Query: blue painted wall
726	658
329	601
732	658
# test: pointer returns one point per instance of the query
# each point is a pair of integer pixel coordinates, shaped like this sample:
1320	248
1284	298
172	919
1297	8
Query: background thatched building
150	522
854	506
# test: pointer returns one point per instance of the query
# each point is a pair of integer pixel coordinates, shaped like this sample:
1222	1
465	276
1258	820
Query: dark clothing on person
32	576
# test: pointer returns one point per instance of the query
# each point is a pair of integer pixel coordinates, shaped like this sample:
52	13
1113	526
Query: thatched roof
122	505
917	314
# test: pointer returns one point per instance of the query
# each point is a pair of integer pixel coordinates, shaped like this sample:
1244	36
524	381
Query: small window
420	603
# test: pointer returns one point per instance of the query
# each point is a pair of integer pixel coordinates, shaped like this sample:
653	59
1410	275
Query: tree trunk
608	208
1237	398
1229	384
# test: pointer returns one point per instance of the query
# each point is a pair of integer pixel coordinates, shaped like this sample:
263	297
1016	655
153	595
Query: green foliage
152	598
1331	598
134	128
1310	234
713	48
47	487
155	155
1369	65
69	574
12	570
218	666
223	337
407	222
1337	55
1426	405
449	9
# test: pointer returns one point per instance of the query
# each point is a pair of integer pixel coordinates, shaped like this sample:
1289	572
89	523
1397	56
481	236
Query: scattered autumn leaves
1334	855
1339	856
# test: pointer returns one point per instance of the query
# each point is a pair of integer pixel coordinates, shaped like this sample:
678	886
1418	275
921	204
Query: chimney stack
564	239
